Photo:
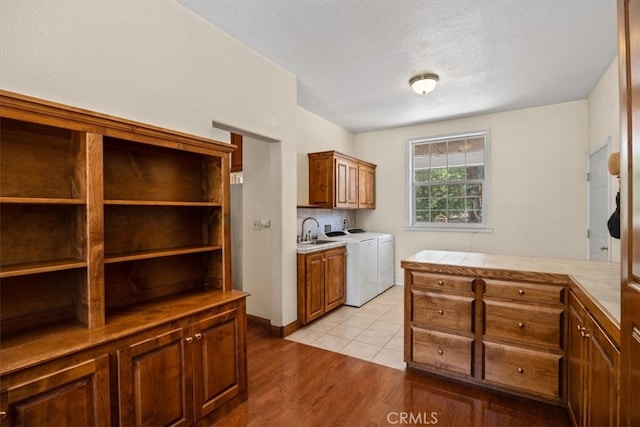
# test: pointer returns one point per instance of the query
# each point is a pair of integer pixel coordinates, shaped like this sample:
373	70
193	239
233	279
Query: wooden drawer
538	325
520	291
442	282
446	311
443	351
527	370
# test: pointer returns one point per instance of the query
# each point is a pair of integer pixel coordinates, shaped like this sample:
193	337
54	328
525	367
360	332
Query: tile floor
373	332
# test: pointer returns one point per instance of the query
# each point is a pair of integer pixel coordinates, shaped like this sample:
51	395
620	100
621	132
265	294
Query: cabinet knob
198	336
3	415
440	282
440	352
189	339
440	312
520	371
520	291
584	332
520	325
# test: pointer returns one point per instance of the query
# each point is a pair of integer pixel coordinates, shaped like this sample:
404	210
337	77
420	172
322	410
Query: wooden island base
524	326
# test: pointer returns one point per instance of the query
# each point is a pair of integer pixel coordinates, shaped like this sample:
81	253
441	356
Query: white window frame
483	226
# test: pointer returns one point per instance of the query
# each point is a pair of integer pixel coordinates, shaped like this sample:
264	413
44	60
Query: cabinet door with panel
335	279
346	183
75	395
593	370
219	360
155	380
314	278
321	283
366	186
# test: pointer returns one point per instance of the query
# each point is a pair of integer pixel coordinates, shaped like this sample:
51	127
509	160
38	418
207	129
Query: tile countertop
599	281
307	248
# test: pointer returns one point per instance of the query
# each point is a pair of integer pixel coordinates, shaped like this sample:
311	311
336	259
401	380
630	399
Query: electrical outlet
327	228
257	226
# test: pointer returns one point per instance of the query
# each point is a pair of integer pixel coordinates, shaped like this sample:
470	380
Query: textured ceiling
353	58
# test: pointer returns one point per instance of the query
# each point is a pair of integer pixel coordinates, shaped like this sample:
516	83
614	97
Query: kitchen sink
316	242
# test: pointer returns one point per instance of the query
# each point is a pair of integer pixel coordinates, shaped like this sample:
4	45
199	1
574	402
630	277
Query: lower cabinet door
314	279
71	396
155	382
335	279
218	360
519	368
443	351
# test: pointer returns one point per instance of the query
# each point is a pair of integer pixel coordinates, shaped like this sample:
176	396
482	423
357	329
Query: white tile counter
305	248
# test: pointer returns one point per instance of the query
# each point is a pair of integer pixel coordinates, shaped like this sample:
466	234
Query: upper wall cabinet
340	181
236	155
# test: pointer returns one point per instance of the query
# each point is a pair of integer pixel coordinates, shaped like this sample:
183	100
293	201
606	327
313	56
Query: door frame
606	145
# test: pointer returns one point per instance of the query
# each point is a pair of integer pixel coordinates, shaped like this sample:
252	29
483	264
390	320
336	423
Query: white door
599	206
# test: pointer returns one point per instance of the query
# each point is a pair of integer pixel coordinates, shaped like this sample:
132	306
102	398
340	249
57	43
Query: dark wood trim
274	331
259	321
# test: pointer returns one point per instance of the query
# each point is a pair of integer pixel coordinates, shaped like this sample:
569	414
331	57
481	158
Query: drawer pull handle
520	325
440	282
3	415
520	371
440	312
198	335
440	352
584	332
189	339
520	291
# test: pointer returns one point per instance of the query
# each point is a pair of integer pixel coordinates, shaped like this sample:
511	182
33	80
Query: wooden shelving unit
104	219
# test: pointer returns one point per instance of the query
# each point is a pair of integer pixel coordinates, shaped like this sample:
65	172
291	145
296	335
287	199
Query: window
449	188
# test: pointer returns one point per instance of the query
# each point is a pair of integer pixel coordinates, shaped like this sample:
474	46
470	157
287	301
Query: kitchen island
514	324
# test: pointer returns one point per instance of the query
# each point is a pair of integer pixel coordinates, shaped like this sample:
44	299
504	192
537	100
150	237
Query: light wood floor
293	384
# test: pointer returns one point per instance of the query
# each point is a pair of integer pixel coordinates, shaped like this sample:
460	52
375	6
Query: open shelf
160	203
139	281
41	201
25	268
134	256
41	161
140	172
41	298
98	213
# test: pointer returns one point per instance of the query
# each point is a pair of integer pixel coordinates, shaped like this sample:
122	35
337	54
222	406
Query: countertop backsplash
326	217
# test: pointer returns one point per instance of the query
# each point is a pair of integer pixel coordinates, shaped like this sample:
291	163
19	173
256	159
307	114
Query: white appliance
385	257
362	271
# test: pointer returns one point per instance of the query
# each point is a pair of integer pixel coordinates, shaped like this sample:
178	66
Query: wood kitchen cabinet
61	395
184	374
593	370
503	334
366	186
321	282
524	327
111	228
236	155
340	181
441	323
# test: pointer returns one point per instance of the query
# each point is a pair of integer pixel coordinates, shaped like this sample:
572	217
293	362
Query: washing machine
362	271
384	259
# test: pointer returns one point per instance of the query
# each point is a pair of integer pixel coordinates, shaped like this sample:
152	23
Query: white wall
537	171
158	63
317	134
604	123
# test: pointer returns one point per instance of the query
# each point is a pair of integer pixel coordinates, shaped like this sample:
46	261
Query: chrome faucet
302	237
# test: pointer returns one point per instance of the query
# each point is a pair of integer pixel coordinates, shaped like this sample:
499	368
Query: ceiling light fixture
424	83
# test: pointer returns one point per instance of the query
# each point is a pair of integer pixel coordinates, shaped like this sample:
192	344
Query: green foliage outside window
448	180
